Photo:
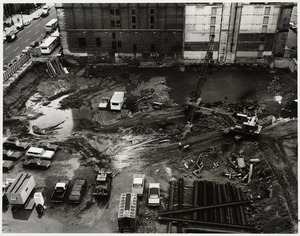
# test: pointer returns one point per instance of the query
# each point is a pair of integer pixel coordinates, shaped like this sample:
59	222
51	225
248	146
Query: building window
81	42
133	26
152	20
114	35
134	47
262	38
151	26
98	42
213	11
119	44
152	47
212	30
118	23
267	10
152	11
133	19
213	20
115	12
112	23
114	45
264	29
133	11
266	20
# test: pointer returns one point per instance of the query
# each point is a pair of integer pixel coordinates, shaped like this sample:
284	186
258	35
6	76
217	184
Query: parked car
34	44
48	146
7	166
26	49
77	191
15	144
20	26
11	155
40	153
138	182
37	15
27	22
293	27
104	101
36	164
154	194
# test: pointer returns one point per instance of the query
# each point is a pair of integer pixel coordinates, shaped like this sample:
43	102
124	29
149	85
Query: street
30	33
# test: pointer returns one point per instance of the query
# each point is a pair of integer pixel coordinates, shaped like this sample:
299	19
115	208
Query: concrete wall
198	23
242	30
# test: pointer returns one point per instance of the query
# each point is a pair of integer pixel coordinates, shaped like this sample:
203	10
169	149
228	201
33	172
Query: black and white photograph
149	117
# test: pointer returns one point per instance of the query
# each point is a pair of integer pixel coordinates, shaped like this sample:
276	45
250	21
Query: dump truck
60	190
103	184
127	213
19	191
77	191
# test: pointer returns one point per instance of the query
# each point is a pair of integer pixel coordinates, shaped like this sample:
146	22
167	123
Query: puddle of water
234	84
73	165
51	116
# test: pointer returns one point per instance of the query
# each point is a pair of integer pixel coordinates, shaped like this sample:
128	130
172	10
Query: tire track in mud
280	165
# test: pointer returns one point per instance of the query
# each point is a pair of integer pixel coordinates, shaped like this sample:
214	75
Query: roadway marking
29	31
19	38
37	24
16	49
27	40
8	47
36	32
4	58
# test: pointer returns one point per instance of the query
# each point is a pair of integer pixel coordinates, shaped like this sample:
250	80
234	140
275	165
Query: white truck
116	101
138	183
40	153
19	191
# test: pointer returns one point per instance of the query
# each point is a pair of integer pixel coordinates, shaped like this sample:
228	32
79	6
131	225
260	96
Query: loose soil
144	139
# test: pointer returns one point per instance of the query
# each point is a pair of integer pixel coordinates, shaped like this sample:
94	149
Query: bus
51	25
49	45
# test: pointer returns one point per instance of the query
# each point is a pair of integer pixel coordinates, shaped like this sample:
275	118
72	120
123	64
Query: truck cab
103	184
59	191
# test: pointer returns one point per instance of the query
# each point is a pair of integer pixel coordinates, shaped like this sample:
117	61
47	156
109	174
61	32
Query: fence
15	65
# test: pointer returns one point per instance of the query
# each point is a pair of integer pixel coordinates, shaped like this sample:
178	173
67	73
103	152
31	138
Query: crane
194	101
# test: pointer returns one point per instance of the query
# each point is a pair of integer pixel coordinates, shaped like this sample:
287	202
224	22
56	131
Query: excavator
244	125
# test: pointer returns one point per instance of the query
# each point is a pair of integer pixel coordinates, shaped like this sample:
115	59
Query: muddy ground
142	139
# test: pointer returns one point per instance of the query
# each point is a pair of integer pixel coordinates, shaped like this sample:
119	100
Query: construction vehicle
18	193
103	184
60	191
138	184
127	214
248	125
194	101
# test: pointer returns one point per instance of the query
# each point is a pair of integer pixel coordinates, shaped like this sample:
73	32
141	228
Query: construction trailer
127	214
116	101
19	191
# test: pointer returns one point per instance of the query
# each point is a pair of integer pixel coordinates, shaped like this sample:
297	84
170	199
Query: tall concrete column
282	29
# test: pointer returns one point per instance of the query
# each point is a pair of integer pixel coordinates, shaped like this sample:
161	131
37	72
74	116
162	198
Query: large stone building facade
132	29
243	31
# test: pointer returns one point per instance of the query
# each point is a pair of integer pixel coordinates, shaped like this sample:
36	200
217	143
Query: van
116	101
45	11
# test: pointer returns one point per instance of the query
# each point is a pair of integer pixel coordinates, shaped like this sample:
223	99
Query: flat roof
35	149
117	97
